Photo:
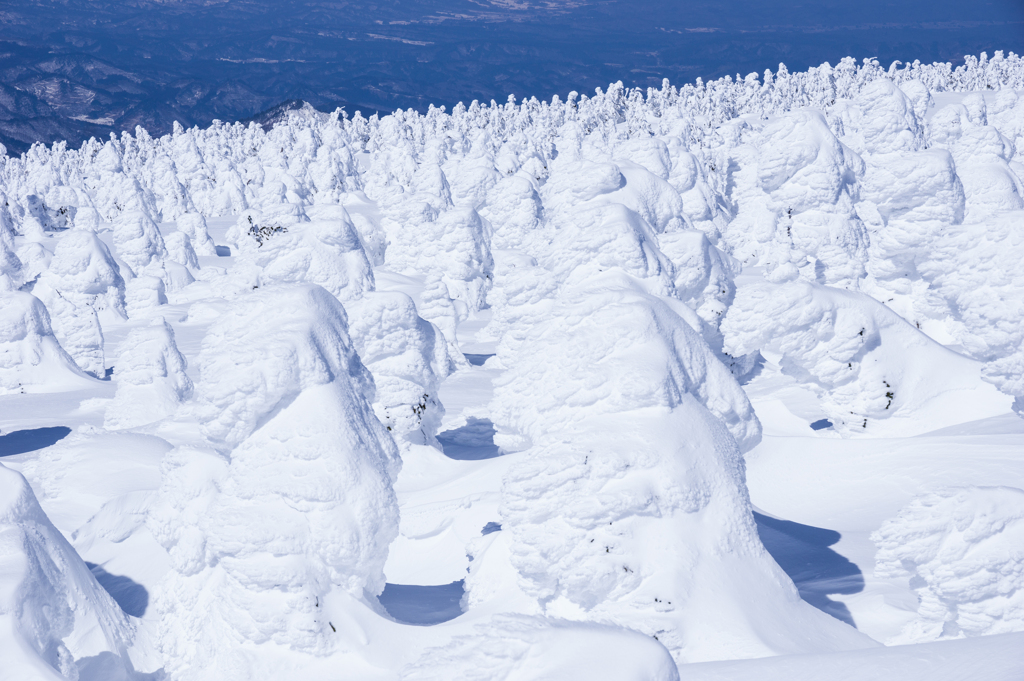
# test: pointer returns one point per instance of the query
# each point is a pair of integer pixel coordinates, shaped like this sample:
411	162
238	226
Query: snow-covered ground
713	383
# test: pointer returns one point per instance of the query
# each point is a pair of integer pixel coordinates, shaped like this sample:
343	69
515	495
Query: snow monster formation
599	281
630	505
961	550
151	378
31	359
277	532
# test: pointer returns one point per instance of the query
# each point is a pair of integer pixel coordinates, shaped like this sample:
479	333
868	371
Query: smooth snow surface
714	382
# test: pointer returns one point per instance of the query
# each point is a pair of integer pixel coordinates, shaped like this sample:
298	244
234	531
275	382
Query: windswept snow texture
605	387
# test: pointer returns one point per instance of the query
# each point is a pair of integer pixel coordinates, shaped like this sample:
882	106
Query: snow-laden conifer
150	375
960	550
31	359
277	534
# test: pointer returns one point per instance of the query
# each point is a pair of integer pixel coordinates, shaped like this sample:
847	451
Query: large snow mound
53	614
876	374
280	538
327	253
31	359
630	506
253	364
963	551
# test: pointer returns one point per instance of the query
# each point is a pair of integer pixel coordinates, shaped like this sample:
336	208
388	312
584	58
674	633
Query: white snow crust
711	381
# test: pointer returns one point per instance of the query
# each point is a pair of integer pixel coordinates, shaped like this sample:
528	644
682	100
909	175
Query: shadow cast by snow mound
477	360
21	441
803	552
108	667
126	592
423	605
472	442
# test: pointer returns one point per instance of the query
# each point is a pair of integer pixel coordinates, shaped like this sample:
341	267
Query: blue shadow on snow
803	553
821	424
21	441
129	594
423	605
472	442
476	360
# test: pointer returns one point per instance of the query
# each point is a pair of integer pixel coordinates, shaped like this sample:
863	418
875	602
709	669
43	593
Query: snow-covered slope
57	621
581	384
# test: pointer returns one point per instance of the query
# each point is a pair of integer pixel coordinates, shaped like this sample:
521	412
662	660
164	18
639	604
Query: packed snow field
713	382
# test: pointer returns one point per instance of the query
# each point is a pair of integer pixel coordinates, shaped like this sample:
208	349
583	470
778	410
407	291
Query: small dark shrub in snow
263	232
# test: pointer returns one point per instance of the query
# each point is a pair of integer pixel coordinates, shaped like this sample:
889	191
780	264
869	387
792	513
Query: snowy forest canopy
313	159
253	333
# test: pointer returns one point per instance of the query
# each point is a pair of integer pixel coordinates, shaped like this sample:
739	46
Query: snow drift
518	648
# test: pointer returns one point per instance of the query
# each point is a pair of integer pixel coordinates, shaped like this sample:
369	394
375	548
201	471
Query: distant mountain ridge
74	69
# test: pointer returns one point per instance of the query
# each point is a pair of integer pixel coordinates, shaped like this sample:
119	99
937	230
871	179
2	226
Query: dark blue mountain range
70	69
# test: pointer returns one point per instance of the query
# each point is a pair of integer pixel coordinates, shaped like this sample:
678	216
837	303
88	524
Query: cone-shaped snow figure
82	289
453	246
279	538
10	264
137	240
630	506
150	376
31	359
84	272
79	333
436	306
179	249
194	226
143	295
408	357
